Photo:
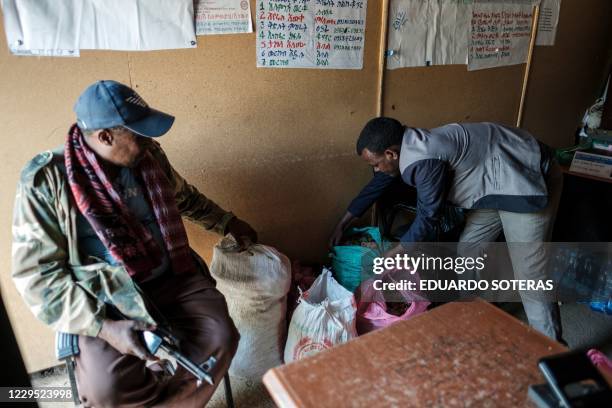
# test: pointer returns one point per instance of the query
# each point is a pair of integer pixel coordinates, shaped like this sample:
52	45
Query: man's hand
242	233
123	335
336	236
339	230
396	250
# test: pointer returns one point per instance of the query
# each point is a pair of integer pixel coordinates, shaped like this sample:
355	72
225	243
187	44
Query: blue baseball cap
106	104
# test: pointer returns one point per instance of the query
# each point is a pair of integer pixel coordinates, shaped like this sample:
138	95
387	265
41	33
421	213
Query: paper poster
428	32
310	33
548	21
408	32
45	53
452	37
41	25
129	25
500	34
223	17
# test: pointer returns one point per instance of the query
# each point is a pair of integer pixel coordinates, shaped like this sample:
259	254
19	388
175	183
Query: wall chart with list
310	33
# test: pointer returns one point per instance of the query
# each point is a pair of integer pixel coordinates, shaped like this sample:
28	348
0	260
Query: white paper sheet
500	34
41	25
223	17
310	33
409	29
130	25
452	36
548	21
428	32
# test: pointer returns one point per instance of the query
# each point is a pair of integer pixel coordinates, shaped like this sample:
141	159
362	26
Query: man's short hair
379	134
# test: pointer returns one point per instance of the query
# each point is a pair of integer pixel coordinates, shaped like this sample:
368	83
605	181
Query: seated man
506	178
101	214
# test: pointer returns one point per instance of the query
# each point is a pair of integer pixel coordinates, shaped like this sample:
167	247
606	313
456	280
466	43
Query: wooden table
459	354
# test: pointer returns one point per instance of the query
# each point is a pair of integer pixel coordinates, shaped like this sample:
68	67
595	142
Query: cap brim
155	124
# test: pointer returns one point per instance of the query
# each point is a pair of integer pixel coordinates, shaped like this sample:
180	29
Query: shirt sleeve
430	179
40	267
370	193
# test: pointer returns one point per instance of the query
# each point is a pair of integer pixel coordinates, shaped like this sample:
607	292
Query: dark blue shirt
430	178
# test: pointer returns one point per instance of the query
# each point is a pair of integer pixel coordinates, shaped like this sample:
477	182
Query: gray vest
492	166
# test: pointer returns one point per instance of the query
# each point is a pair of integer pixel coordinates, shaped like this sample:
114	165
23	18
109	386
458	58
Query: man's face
123	147
387	162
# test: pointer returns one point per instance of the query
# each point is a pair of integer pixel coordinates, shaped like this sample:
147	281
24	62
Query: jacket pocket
87	272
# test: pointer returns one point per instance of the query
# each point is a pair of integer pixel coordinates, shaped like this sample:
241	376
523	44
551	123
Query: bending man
506	178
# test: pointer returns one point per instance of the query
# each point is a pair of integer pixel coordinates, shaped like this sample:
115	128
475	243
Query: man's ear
391	154
105	137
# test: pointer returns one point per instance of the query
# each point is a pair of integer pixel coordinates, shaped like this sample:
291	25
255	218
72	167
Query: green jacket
63	290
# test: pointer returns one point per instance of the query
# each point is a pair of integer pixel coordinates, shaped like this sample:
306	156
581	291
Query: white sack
255	283
324	318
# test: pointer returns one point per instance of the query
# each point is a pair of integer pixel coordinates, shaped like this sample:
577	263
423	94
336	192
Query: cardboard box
597	165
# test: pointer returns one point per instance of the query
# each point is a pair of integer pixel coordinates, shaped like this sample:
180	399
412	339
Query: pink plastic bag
372	307
600	360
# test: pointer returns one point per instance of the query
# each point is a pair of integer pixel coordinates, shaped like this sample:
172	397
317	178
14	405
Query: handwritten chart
325	34
500	35
547	24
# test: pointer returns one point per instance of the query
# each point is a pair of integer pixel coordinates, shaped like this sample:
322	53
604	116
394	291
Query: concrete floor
582	329
246	393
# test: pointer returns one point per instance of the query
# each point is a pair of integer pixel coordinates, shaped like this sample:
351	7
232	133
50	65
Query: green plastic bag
351	263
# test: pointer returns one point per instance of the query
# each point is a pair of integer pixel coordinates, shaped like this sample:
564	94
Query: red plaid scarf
124	236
